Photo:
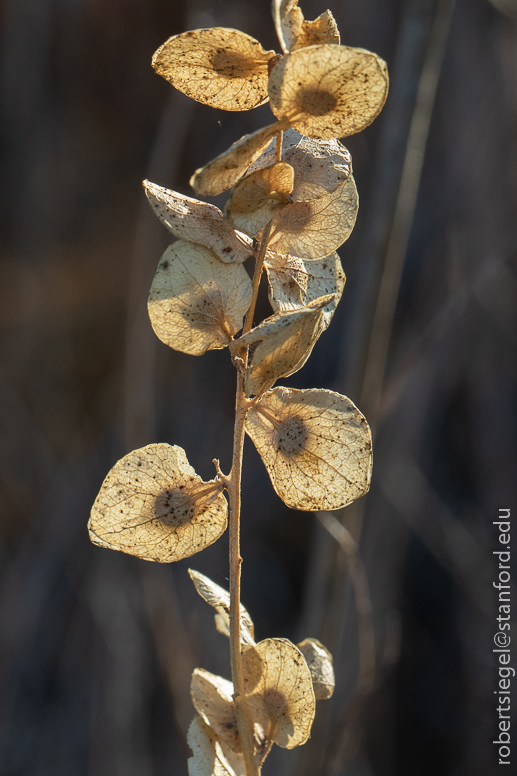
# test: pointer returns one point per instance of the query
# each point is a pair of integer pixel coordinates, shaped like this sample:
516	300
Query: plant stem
242	405
244	723
259	264
234	492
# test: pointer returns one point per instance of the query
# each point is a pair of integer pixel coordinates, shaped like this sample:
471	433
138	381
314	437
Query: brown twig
233	483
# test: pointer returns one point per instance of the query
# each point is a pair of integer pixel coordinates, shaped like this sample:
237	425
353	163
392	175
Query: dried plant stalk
293	203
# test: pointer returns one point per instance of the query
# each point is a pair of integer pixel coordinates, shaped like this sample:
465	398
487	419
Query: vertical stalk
244	722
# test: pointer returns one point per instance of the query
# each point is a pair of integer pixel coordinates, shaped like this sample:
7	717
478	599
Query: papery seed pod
295	283
322	30
320	166
257	197
329	91
219	598
196	302
316	446
314	229
220	67
279	693
288	19
225	170
295	32
320	665
280	345
212	697
198	222
153	505
211	757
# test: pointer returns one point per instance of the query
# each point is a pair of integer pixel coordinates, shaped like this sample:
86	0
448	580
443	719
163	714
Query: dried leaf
295	283
328	91
198	222
220	67
257	197
320	166
314	229
224	171
212	697
294	32
288	19
316	446
279	693
320	665
281	345
197	303
210	756
220	599
153	505
322	30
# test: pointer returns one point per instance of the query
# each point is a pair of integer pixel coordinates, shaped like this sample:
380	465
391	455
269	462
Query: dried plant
293	203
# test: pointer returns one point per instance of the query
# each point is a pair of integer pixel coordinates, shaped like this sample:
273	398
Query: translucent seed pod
316	446
220	67
152	504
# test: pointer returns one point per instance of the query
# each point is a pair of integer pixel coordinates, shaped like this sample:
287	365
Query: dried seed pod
210	755
320	665
212	697
294	283
314	229
153	505
198	222
225	170
322	30
196	303
288	19
320	166
280	345
257	197
220	67
219	598
329	91
316	446
279	693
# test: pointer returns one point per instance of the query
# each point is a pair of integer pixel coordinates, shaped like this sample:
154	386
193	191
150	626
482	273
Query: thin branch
233	484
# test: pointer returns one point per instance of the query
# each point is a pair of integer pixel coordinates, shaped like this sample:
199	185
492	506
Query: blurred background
96	648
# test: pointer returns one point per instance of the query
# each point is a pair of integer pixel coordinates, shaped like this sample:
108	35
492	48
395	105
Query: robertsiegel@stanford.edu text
502	638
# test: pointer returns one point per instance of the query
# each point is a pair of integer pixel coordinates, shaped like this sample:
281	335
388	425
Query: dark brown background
97	647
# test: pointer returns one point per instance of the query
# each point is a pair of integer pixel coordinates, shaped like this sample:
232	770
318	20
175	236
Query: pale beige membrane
316	228
225	170
288	20
320	166
329	91
280	345
220	67
219	598
153	505
198	222
322	30
196	302
257	197
279	693
210	756
320	665
316	446
295	283
212	697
